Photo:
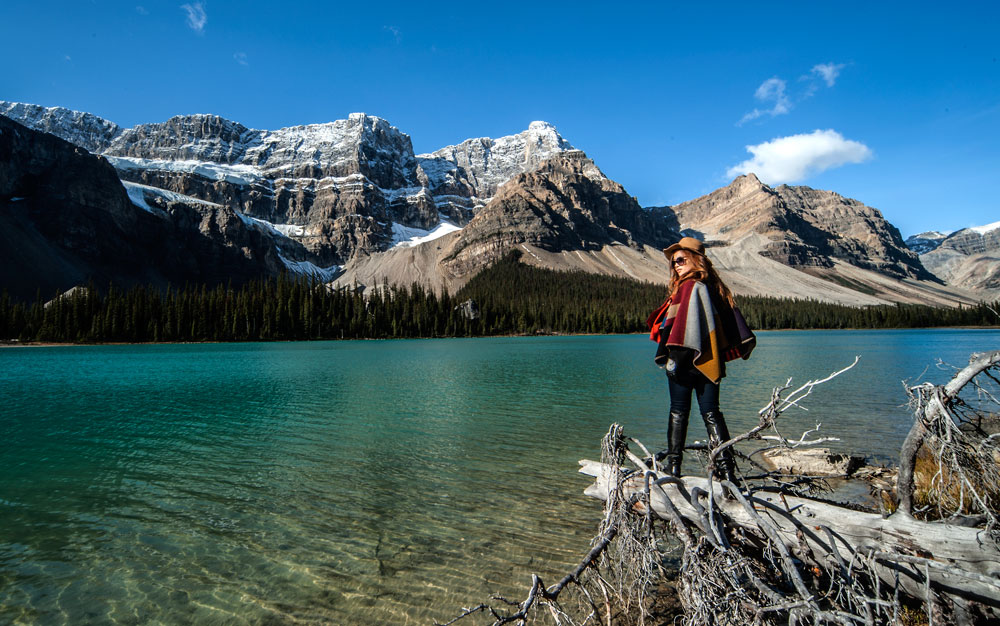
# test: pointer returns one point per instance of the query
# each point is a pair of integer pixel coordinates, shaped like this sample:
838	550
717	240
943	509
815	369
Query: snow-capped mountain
565	204
83	129
342	187
969	257
349	200
921	243
465	177
66	219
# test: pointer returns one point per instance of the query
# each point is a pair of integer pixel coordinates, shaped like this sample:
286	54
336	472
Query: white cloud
792	159
395	32
241	58
770	91
141	10
828	72
196	16
774	91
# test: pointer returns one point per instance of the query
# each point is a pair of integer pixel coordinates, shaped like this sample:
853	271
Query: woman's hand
679	364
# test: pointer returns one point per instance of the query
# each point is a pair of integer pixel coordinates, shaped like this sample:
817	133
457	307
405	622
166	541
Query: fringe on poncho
689	319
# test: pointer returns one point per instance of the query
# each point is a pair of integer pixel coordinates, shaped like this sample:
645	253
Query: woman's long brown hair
703	270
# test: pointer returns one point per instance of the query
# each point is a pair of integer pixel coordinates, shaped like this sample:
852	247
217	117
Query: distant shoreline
54	344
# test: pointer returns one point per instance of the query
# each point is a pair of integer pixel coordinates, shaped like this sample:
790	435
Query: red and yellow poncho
689	319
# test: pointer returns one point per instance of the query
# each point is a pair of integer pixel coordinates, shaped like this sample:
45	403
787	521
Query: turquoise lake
362	482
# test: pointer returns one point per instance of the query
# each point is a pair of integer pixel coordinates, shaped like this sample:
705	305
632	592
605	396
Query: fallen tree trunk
771	552
901	551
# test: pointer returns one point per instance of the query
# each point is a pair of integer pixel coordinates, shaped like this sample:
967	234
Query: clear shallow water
358	482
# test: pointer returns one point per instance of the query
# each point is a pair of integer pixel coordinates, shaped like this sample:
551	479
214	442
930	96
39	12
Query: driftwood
899	549
770	556
763	552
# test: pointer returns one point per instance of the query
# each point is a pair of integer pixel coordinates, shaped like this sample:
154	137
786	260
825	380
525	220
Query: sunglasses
679	261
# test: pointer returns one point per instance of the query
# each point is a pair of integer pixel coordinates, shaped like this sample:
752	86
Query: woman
690	329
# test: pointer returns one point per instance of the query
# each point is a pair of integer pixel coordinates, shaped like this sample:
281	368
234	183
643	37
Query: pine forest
508	298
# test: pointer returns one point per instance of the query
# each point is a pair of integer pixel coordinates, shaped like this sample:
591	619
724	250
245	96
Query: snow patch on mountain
408	237
988	228
258	224
285	230
138	193
236	174
305	268
280	231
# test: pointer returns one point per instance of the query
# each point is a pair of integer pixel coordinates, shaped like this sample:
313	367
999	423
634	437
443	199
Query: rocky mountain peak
969	257
922	243
974	240
574	163
565	204
198	137
744	205
804	227
88	131
359	144
748	181
467	175
986	229
321	181
546	136
540	125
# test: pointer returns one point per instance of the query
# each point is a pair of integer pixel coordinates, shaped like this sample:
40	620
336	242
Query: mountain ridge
67	219
804	227
343	183
349	193
969	257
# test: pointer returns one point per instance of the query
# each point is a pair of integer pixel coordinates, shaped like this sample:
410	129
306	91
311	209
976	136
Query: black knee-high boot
718	433
676	437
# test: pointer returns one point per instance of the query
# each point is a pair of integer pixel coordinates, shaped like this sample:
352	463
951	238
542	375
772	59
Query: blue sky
896	104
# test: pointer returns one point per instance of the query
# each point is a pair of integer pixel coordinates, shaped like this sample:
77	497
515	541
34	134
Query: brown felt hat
686	243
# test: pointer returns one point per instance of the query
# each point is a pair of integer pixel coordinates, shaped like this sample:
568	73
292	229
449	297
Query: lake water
360	482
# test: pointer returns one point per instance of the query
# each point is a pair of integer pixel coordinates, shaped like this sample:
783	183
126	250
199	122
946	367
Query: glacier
408	237
305	268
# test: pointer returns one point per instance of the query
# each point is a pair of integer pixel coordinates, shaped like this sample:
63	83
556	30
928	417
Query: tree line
508	297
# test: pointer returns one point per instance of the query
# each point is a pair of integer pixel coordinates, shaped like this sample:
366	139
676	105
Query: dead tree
763	553
766	556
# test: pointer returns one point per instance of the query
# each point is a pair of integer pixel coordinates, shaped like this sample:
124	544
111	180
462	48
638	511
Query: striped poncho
689	319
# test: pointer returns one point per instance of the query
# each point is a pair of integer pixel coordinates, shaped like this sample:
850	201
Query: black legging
715	424
680	395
